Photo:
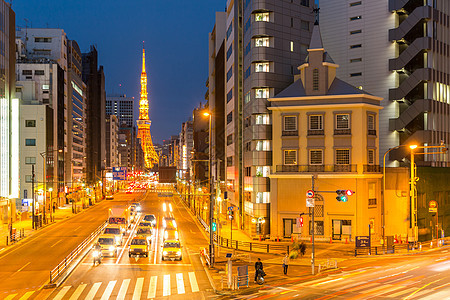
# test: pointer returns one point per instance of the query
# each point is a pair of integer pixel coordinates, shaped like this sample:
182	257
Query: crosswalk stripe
138	288
62	292
26	295
180	283
166	285
78	292
93	291
193	281
152	287
123	289
108	291
10	297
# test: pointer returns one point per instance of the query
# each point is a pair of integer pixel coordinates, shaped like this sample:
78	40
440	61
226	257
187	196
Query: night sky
176	41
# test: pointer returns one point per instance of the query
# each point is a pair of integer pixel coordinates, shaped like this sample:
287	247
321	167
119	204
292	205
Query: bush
297	248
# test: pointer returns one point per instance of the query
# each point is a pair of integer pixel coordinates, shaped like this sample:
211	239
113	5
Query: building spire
143	57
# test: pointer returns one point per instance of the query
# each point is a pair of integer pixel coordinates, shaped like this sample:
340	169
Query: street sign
120	173
363	241
230	207
309	202
310	194
432	206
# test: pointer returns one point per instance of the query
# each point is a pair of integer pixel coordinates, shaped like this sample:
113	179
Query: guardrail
252	246
379	250
15	237
63	265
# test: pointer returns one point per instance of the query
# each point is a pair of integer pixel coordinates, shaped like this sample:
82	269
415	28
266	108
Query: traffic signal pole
313	229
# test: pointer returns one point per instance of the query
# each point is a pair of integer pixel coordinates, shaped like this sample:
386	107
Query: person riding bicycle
258	268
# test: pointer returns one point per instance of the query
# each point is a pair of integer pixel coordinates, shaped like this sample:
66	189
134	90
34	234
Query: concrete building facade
112	142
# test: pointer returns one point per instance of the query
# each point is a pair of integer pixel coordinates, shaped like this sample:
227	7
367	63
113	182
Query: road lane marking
10	297
77	228
412	294
138	288
93	291
328	281
123	289
166	285
155	252
21	269
152	287
126	244
62	292
55	243
193	281
78	292
26	296
108	291
180	283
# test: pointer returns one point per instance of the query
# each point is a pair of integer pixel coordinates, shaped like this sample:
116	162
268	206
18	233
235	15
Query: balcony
342	132
289	133
315	132
372	169
316	168
371	132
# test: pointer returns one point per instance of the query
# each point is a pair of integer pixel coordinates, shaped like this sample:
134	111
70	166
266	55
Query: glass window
355	46
290	157
229	139
355	74
342	156
304	25
290	123
371	156
30	142
230	73
292	46
304	49
229	30
262	93
27	72
229	161
342	121
355	18
262	171
315	122
247	24
355	3
316	79
30	160
262	119
247	97
229	95
355	31
262	67
262	42
30	123
248	72
304	3
229	117
262	17
229	51
247	48
28	178
316	157
39	72
263	197
353	60
263	145
370	122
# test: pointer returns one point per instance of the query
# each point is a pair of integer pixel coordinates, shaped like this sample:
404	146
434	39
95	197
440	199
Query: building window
371	124
316	157
248	72
30	123
355	31
39	72
342	156
30	160
28	178
229	30
318	228
304	25
355	3
230	139
262	93
248	171
229	95
30	142
372	194
262	17
342	121
355	74
229	161
230	73
247	98
290	157
263	197
292	46
290	123
42	40
316	122
229	51
304	49
248	146
247	25
247	2
262	119
355	18
262	67
262	171
355	46
371	156
263	145
27	72
304	3
247	49
229	117
315	79
353	60
262	42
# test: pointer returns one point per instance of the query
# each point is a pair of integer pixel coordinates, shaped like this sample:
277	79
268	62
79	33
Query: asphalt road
425	276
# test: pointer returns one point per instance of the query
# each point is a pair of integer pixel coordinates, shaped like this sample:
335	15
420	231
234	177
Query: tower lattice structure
150	156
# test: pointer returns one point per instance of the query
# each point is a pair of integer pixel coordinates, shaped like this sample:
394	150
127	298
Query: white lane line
93	291
155	252
328	281
180	284
21	269
55	243
62	292
193	281
78	292
26	296
123	289
166	285
152	287
10	297
126	244
108	291
138	288
77	228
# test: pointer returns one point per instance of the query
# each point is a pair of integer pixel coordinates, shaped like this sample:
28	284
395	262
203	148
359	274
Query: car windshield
171	245
144	231
144	224
112	231
106	241
149	218
138	242
116	220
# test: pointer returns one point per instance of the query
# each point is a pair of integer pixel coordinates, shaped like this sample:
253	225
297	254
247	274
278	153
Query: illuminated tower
150	156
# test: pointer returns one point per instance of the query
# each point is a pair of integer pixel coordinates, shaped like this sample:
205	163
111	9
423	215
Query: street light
44	156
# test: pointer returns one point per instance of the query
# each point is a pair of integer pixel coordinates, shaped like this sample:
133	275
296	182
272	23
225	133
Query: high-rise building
112	142
397	50
265	42
122	107
94	78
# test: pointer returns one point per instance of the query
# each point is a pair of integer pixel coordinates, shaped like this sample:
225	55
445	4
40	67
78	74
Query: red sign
432	204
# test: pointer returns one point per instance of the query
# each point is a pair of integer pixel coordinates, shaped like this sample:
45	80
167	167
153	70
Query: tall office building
397	50
265	42
122	107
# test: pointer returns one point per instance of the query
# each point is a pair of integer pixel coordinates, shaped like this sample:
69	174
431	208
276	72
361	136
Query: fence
252	246
379	250
15	237
63	265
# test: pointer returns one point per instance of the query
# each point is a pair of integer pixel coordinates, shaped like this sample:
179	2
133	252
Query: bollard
6	240
346	240
331	241
292	238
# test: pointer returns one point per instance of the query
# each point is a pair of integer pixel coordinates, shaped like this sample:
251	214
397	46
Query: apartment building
112	142
324	135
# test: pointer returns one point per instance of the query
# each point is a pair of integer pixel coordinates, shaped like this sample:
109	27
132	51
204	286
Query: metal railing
252	246
63	265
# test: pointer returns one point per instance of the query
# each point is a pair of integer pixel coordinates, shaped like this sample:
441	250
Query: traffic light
342	195
214	227
230	215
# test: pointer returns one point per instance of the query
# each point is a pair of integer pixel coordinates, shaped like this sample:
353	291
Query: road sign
309	202
363	241
432	206
120	173
310	194
230	207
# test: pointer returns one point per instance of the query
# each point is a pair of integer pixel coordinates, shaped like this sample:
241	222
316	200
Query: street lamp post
211	202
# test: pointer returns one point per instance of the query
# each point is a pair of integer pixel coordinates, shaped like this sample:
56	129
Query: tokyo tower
150	156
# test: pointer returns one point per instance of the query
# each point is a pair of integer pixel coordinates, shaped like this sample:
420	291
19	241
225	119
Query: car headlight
176	235
179	252
148	238
117	239
138	209
154	222
111	248
164	252
174	224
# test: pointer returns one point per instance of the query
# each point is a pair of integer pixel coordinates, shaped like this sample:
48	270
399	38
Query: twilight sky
176	41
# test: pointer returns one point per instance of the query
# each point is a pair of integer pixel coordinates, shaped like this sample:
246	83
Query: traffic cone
346	240
331	241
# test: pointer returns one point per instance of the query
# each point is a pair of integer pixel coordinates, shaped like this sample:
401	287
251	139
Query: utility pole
33	225
313	229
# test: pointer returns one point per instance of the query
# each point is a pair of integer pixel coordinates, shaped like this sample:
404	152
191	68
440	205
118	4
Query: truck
119	216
